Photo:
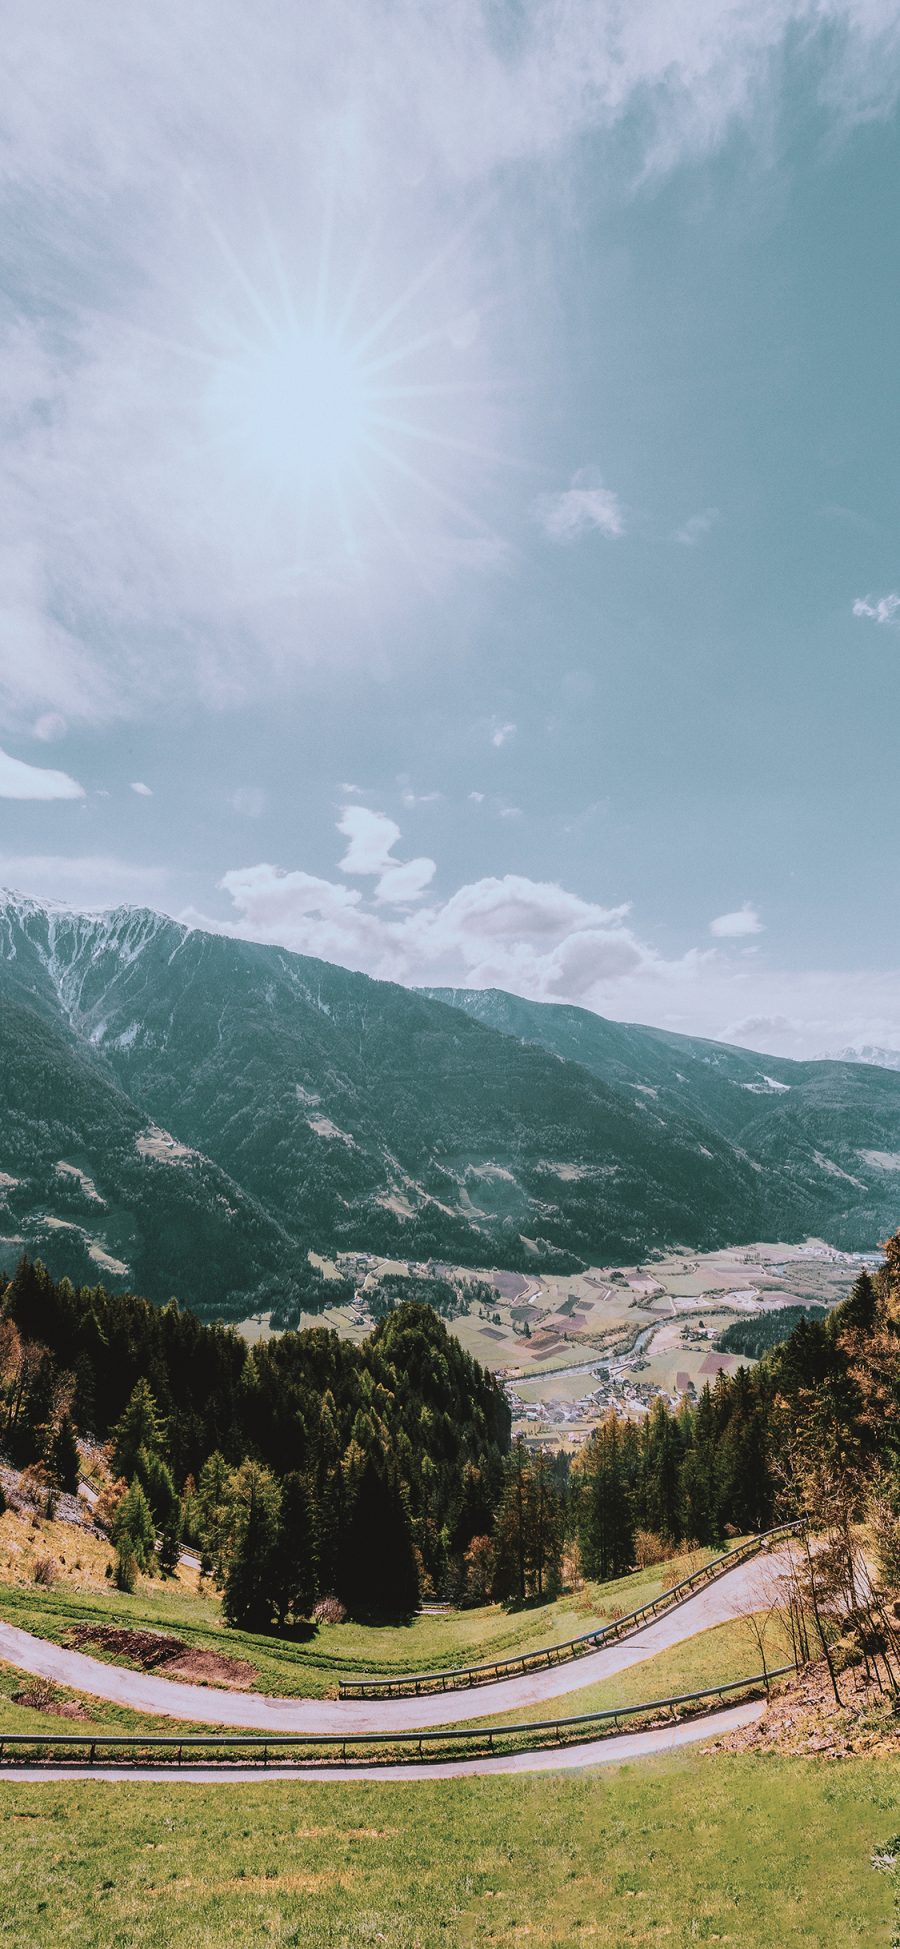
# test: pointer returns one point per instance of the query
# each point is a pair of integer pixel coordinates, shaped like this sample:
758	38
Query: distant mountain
880	1058
823	1137
188	1113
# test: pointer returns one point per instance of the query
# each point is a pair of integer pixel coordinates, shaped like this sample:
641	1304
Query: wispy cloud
697	527
884	610
587	507
49	727
133	562
143	791
21	781
501	735
732	927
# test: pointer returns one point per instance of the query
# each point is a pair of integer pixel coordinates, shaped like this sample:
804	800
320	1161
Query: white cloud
143	791
476	798
511	812
409	798
400	884
733	926
531	936
882	611
21	781
587	507
134	565
697	527
502	734
372	837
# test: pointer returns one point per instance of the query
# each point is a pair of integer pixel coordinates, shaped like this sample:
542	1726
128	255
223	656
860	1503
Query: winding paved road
595	1752
737	1592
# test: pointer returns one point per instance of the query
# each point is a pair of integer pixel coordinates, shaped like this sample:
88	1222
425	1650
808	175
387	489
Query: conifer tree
252	1576
64	1459
604	1503
297	1550
134	1531
141	1427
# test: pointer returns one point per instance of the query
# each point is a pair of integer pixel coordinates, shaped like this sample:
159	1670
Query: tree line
306	1468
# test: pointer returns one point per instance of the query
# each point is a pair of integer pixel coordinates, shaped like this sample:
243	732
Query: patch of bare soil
210	1668
803	1718
170	1657
42	1696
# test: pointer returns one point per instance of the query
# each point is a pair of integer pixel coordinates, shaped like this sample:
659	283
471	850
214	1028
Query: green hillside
172	1098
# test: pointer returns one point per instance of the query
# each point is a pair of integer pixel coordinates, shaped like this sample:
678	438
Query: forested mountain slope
210	1104
823	1136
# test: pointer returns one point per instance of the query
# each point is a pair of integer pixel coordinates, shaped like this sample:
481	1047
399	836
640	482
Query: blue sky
451	499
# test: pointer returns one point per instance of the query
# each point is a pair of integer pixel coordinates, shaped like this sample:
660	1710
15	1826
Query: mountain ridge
277	1104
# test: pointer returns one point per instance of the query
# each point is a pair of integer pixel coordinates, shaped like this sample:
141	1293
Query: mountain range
187	1113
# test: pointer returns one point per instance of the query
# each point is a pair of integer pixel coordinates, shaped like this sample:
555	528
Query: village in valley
568	1347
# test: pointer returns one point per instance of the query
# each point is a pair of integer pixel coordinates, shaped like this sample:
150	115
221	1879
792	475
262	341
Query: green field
311	1668
754	1853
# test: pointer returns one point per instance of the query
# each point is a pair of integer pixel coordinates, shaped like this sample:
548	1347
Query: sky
451	492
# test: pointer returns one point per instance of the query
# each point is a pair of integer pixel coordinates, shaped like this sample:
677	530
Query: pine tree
509	1537
543	1529
297	1552
141	1427
660	1473
133	1527
64	1458
214	1511
377	1570
700	1488
859	1312
603	1501
155	1478
170	1544
252	1576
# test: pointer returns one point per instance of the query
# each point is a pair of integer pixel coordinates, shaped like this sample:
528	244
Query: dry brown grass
78	1557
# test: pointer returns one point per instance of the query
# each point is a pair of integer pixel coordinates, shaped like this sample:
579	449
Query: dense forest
759	1332
307	1470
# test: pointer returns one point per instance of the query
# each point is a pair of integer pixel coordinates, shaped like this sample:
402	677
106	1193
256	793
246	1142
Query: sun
334	424
296	406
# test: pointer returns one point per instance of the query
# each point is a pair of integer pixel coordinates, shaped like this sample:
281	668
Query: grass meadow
757	1853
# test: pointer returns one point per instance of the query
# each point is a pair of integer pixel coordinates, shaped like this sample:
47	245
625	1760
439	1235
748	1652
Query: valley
569	1347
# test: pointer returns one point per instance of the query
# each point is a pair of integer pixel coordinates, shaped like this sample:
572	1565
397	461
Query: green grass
312	1668
754	1853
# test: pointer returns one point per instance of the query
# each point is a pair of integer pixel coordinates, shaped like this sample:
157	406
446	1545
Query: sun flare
334	427
297	407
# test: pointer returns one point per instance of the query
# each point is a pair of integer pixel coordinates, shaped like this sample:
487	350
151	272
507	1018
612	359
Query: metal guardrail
141	1750
459	1678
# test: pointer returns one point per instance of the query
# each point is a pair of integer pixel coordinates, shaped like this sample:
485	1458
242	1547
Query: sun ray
415	474
430	437
416	284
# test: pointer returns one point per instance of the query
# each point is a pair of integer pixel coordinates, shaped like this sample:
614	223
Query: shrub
107	1503
690	1559
480	1566
649	1548
329	1610
44	1571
